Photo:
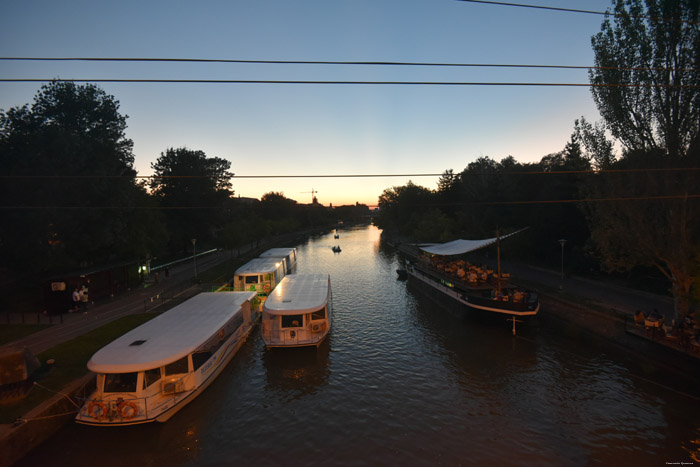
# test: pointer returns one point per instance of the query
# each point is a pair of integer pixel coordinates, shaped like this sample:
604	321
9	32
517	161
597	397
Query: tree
647	88
71	192
193	189
647	74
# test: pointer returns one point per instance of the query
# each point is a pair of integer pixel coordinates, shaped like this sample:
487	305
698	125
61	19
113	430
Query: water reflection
403	381
297	372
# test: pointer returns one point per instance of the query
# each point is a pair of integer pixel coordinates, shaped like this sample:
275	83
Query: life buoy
128	410
266	287
97	410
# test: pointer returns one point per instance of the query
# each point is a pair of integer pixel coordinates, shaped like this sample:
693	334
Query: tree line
624	192
71	198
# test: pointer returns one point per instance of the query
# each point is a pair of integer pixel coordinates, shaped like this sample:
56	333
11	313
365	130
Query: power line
474	203
573	10
332	62
309	82
536	172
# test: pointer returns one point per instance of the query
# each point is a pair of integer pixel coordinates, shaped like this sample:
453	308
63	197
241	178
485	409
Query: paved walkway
180	281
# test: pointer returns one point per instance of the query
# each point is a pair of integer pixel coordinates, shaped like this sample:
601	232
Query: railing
32	318
284	336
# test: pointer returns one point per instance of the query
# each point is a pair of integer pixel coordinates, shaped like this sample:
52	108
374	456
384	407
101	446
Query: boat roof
259	266
277	252
299	293
171	335
459	247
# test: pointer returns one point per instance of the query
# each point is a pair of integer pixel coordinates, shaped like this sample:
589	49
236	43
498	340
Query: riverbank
605	311
41	422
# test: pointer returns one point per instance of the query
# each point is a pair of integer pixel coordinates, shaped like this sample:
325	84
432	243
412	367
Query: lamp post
194	256
562	242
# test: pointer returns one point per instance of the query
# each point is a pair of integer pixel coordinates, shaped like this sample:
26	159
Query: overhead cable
473	203
332	62
574	10
407	83
534	172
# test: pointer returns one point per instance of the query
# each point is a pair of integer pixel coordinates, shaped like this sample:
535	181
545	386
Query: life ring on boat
97	410
128	410
266	287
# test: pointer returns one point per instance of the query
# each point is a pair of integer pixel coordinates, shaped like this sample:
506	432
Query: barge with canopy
154	370
260	275
298	312
478	287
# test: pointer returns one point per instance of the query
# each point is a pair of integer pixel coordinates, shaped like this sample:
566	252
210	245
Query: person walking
84	298
76	300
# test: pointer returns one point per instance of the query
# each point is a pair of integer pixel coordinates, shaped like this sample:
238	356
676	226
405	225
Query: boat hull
470	298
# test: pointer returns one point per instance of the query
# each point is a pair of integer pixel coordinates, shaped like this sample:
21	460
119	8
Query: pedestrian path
180	282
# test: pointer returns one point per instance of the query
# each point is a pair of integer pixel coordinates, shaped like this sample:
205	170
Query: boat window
292	321
120	382
320	314
150	377
251	279
234	324
200	358
177	367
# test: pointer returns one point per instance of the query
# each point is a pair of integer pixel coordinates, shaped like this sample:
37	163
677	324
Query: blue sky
301	129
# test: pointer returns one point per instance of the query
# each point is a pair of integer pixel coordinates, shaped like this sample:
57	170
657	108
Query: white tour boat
298	312
153	371
260	275
289	255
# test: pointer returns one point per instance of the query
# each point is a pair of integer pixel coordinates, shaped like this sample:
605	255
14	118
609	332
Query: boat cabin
298	312
259	275
288	255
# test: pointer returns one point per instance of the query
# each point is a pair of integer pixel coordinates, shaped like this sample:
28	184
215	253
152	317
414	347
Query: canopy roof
459	247
299	293
170	335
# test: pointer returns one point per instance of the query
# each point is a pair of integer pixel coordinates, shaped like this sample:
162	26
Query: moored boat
154	370
287	255
298	312
260	275
477	287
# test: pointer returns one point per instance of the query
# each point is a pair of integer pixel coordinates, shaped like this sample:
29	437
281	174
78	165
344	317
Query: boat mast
498	260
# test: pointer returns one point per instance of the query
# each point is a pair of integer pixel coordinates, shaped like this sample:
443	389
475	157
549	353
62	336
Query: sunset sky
319	129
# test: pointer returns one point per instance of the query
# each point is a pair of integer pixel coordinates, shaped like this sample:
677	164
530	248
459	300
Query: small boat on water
477	287
336	249
287	255
298	312
154	370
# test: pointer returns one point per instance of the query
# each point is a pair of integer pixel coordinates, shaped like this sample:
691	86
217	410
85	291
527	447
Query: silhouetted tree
193	189
74	198
648	61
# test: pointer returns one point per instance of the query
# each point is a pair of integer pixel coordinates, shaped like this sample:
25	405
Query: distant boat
154	370
336	249
298	312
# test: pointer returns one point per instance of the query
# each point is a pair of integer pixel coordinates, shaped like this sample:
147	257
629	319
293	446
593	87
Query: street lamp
562	242
194	255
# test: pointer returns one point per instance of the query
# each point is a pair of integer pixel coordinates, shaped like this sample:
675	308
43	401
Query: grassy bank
12	332
70	363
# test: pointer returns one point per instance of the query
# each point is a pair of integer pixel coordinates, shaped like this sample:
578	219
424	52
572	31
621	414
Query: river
401	381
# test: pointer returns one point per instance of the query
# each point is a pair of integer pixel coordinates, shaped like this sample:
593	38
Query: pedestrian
76	299
167	271
84	298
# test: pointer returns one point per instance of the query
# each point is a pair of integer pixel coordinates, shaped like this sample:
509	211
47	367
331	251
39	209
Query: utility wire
455	175
573	10
474	203
327	62
410	83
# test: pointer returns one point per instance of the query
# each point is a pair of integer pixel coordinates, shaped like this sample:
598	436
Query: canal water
401	381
